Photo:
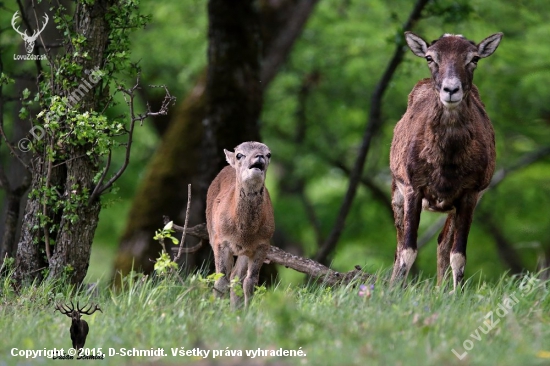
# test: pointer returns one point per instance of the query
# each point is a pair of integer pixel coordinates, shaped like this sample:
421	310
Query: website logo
29	40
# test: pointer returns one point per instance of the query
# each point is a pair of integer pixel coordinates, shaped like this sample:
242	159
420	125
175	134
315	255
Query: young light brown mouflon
239	218
443	151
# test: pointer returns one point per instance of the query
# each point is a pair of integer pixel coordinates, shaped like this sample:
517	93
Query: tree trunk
74	241
74	176
234	94
17	177
30	259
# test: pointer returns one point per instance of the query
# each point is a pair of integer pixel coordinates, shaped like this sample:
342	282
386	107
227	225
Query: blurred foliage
340	56
316	109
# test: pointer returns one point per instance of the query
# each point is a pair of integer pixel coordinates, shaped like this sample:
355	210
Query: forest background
313	117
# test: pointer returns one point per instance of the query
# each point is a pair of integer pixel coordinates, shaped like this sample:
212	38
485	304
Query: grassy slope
419	325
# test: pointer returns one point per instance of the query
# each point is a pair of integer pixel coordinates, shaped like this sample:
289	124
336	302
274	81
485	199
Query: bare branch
311	215
523	162
10	146
198	231
71	159
377	192
309	81
130	93
46	50
281	47
315	269
180	251
430	232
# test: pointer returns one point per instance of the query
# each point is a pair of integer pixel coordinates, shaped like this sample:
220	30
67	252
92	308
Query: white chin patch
450	104
451	101
255	171
254	175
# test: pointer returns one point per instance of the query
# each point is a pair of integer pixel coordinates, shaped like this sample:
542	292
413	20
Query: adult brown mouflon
239	218
443	151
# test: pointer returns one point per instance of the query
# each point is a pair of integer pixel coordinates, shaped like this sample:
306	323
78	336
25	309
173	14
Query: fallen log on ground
278	256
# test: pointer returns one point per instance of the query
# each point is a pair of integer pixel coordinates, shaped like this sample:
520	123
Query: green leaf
215	276
26	93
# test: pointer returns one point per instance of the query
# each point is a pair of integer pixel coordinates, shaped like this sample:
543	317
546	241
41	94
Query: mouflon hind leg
464	215
444	244
254	265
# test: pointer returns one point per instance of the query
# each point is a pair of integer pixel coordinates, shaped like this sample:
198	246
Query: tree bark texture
71	253
17	177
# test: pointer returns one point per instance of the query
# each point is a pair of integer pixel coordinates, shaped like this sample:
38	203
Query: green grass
419	325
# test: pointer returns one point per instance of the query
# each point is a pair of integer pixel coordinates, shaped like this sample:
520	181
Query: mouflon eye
429	59
239	156
268	155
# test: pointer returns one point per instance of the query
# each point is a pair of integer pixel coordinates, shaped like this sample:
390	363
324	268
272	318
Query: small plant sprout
166	233
164	264
236	287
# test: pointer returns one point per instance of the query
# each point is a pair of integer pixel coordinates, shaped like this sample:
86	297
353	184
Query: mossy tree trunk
15	179
69	231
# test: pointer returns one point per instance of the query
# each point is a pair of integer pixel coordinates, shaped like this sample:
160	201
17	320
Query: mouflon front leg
407	217
239	270
223	259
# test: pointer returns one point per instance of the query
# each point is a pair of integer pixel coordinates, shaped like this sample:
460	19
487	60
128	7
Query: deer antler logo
79	327
29	40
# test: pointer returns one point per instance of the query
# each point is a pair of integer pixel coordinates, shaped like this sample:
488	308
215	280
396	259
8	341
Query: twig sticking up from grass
181	251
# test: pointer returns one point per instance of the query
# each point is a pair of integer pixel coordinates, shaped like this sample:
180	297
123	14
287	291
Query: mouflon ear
489	45
416	44
230	157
